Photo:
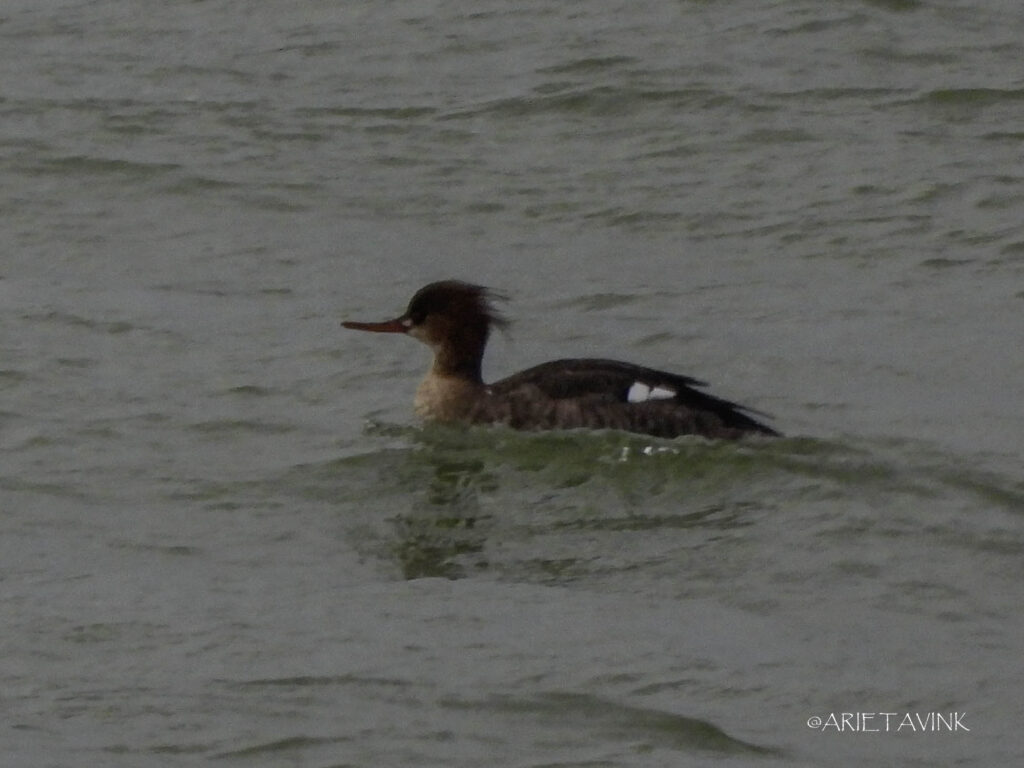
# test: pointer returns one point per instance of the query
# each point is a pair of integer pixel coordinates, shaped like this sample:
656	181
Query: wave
564	506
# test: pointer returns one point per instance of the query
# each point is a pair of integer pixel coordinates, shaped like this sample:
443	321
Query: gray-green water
223	537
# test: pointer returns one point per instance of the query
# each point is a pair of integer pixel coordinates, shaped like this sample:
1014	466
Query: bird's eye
417	316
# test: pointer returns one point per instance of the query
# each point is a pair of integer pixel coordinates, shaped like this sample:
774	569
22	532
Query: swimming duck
455	319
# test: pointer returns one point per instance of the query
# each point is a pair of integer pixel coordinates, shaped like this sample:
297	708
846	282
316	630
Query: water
225	539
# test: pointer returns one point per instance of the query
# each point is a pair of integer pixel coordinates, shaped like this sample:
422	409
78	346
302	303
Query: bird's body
455	319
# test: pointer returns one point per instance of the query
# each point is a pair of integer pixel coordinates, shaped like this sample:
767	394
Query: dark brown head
451	317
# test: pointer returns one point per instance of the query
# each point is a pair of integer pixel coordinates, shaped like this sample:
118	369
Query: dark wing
574	378
609	394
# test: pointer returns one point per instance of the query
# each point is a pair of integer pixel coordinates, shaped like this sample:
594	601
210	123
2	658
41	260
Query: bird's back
607	394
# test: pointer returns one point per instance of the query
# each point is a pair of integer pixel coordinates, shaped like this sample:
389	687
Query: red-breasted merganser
454	319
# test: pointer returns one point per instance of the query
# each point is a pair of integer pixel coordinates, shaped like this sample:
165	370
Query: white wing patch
638	393
641	393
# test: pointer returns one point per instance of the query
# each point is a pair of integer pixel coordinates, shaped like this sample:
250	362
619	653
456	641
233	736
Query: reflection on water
568	506
867	534
444	527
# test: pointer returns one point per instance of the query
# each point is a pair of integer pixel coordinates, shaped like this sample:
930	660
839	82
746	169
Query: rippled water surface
223	536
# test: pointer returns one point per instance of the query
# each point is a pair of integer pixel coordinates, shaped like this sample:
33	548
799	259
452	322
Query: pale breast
445	398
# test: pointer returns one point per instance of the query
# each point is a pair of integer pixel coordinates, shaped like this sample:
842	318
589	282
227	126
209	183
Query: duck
455	319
